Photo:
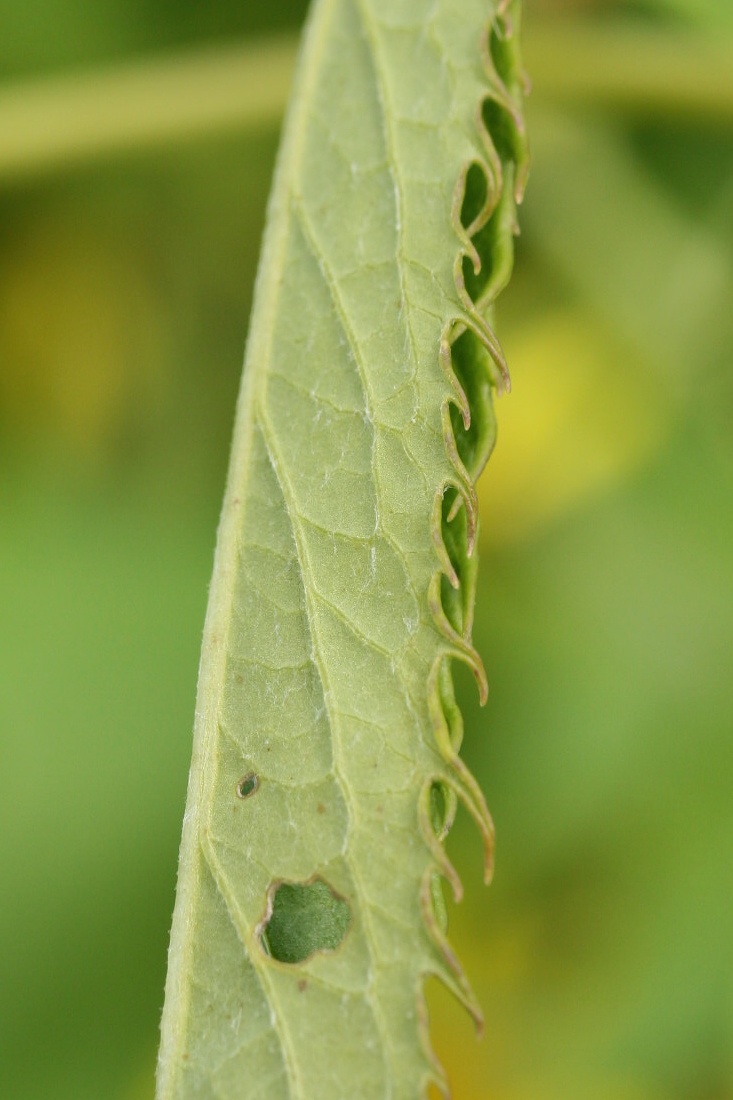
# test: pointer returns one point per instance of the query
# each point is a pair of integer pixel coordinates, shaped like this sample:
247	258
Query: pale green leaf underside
326	649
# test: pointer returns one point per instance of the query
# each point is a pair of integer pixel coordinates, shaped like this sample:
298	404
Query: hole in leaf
305	917
247	785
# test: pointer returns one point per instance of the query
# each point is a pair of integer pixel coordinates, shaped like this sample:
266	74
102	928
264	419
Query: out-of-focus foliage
602	954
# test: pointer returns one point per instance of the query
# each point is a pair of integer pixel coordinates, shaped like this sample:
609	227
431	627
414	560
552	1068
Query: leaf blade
325	661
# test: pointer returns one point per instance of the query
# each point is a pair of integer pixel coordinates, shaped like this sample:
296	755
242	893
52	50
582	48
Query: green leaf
325	768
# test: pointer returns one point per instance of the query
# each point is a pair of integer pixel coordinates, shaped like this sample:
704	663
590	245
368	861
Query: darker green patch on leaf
503	130
473	370
474	195
306	917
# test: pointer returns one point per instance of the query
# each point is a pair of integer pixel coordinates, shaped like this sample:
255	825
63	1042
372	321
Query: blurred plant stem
52	123
669	301
631	67
56	122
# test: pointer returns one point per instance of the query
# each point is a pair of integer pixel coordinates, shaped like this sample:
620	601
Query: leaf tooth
452	974
435	844
506	27
490	165
447	566
446	361
473	320
473	799
436	1075
461	647
462	781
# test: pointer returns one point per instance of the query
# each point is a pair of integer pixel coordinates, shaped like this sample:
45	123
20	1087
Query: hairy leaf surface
325	770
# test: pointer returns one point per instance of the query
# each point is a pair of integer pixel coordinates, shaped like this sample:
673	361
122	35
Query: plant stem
639	69
58	122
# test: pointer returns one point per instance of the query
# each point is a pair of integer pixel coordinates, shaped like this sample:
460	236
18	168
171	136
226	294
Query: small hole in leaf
305	917
247	785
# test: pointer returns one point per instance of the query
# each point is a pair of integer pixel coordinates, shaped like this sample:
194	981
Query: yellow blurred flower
583	415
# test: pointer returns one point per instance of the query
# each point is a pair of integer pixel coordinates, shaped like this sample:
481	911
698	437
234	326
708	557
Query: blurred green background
603	953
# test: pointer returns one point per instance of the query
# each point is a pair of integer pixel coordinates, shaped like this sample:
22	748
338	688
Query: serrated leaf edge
462	784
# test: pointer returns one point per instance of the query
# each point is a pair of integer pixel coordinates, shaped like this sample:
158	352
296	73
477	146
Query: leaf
325	769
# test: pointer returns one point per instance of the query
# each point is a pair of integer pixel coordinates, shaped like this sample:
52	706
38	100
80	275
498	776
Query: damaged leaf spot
304	917
247	785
